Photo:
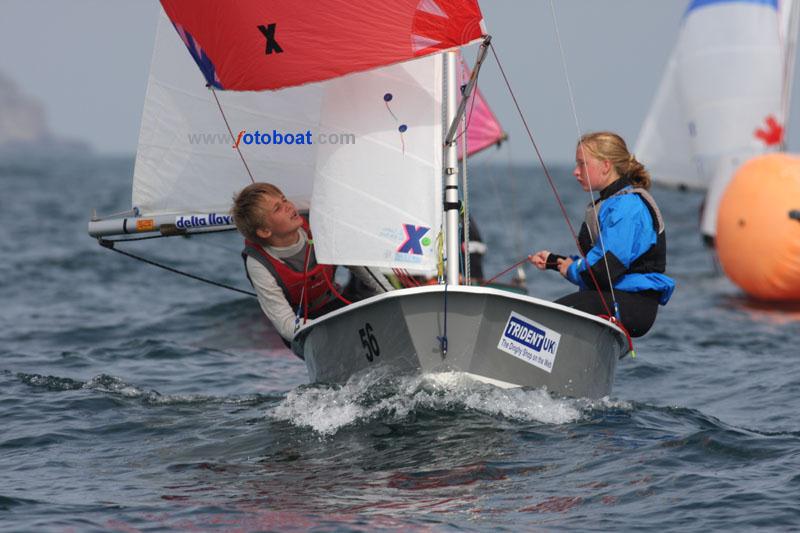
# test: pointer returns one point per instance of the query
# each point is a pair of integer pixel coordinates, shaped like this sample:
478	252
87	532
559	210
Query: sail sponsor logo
202	221
415	239
271	138
530	341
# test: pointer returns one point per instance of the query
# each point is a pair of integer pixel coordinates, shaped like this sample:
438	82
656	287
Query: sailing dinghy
724	97
385	73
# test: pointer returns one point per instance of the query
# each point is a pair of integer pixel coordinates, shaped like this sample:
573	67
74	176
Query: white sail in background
789	11
721	100
377	202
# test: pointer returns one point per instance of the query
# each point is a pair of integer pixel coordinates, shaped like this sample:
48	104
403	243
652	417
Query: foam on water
327	409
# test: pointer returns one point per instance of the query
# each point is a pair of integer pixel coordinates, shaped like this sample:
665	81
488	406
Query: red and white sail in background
252	45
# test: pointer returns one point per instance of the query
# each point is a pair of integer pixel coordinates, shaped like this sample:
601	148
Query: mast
450	158
453	114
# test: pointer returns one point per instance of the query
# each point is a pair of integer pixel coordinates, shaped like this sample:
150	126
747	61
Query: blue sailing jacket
631	239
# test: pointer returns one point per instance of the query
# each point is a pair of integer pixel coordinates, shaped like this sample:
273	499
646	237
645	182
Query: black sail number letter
369	342
269	35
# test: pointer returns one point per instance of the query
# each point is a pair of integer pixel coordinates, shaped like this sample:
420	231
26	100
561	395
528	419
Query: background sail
483	128
789	12
255	45
377	202
720	101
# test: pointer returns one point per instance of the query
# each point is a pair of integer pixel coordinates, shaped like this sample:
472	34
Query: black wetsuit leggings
637	309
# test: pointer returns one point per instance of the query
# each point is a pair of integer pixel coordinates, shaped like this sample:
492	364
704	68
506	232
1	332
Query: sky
87	61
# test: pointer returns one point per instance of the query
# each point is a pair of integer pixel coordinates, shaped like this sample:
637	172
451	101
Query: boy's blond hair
248	214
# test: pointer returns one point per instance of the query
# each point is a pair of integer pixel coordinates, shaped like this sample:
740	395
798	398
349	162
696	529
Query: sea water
133	399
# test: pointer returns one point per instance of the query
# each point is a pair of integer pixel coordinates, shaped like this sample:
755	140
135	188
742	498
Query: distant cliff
23	125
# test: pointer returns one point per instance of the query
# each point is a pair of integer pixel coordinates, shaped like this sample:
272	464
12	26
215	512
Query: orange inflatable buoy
758	228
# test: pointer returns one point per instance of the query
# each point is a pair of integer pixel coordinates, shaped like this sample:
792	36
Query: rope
443	339
547	174
465	203
163	236
303	295
331	286
518	263
233	138
406	280
583	153
333	289
110	245
619	324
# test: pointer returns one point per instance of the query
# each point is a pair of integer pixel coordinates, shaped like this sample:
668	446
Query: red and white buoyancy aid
312	286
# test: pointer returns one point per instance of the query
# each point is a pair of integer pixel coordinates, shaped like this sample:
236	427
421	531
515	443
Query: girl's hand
563	265
539	259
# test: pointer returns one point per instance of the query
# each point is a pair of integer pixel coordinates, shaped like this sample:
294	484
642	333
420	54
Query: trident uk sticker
530	341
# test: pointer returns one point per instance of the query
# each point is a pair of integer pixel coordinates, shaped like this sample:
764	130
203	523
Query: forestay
483	128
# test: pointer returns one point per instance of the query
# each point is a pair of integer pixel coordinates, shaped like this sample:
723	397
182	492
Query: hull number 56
369	342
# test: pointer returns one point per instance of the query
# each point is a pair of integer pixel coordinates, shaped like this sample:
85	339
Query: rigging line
333	288
583	151
547	174
162	236
233	138
110	245
474	96
515	215
518	263
303	297
465	194
514	219
443	339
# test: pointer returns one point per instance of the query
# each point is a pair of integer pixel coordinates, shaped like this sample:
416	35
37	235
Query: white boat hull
497	336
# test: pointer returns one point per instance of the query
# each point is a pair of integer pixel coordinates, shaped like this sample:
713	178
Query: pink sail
251	45
483	128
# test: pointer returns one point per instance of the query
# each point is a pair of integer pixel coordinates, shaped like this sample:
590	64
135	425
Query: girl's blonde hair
609	146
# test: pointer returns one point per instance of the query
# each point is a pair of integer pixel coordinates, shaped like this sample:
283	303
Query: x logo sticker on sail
413	235
272	44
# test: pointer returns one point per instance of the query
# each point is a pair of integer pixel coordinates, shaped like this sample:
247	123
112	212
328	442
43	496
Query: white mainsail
722	98
371	183
377	201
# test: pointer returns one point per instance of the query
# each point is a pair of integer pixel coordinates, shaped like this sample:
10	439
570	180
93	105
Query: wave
115	386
